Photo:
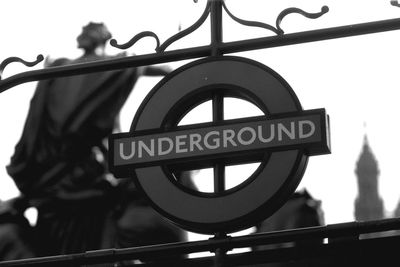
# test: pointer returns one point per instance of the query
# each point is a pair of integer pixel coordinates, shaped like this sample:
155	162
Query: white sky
355	79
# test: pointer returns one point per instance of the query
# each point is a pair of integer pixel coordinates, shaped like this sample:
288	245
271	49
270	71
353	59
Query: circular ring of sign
273	182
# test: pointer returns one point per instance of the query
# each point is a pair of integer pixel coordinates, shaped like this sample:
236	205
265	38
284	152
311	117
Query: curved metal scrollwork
295	10
169	41
250	23
135	39
277	30
213	8
187	31
9	60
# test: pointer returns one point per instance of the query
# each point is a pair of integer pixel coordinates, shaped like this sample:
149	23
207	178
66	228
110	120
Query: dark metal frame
220	243
217	47
344	235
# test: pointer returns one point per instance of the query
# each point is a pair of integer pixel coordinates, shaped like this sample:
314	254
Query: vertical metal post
218	112
219	169
219	252
218	98
216	25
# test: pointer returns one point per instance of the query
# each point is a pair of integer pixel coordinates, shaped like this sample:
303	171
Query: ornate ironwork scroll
135	39
9	60
277	30
162	56
187	31
294	10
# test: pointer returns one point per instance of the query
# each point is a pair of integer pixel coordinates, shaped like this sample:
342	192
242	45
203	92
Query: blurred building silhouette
368	204
397	211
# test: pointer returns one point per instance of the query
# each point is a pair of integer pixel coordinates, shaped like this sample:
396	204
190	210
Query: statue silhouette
60	165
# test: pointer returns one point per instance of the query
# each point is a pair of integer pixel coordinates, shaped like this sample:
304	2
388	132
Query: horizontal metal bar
104	65
382	251
202	51
342	230
311	36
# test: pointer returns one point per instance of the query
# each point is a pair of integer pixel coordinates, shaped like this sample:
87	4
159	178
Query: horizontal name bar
306	131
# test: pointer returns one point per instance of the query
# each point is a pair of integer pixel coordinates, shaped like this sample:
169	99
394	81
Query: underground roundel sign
157	150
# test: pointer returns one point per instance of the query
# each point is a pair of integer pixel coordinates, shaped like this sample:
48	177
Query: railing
217	47
337	234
